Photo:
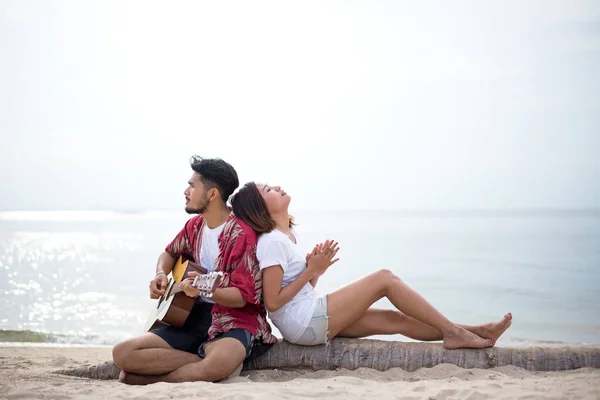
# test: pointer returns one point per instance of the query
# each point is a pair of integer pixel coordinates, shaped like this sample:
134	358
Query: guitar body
174	306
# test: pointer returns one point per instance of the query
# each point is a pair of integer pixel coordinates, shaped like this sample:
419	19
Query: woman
303	317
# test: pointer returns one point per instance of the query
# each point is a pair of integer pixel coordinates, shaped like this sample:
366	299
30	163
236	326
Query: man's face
196	196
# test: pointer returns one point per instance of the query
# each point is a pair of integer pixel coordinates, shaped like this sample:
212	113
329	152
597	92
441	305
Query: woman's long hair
249	206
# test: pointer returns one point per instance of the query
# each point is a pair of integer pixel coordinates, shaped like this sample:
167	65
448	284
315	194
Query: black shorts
254	348
194	331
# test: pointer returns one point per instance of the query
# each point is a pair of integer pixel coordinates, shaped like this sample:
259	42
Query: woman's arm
317	262
276	296
316	249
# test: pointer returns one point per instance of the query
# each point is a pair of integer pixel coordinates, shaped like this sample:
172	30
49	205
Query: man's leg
150	354
223	357
167	348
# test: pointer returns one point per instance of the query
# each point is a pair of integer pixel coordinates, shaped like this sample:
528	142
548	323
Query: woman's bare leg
389	322
348	304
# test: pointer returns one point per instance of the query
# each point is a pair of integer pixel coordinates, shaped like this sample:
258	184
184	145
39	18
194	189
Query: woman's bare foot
493	330
460	338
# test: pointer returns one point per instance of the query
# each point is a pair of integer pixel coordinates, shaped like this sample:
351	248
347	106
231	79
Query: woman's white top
276	248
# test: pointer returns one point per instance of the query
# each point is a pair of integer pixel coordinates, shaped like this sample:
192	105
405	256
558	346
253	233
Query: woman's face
277	200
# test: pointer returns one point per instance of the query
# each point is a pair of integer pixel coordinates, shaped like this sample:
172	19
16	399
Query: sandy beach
27	373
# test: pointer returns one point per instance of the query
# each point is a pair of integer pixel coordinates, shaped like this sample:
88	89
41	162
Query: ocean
81	277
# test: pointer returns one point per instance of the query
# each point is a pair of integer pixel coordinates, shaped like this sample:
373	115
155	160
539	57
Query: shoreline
56	345
28	372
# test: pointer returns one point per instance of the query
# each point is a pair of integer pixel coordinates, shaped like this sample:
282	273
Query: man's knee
223	358
121	351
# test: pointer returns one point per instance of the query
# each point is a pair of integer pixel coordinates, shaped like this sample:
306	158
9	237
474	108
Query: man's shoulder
235	227
197	218
195	222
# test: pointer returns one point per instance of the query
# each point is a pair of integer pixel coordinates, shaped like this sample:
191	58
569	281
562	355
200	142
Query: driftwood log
383	355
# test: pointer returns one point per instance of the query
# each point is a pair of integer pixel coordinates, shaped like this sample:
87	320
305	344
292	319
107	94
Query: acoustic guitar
174	306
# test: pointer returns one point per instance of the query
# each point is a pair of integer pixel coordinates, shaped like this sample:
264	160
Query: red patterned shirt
237	260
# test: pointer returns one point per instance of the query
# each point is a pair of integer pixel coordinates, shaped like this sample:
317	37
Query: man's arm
228	297
164	266
181	244
238	259
165	263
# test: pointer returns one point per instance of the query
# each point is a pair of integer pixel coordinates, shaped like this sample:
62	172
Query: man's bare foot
493	330
135	379
234	374
461	338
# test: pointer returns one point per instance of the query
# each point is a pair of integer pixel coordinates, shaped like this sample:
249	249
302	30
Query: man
206	348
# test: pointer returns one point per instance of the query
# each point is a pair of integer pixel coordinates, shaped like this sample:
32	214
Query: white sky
428	104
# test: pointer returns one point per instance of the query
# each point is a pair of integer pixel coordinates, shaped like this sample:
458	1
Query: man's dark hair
216	173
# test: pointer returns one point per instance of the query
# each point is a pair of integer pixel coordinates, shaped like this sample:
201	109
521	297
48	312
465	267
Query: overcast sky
428	104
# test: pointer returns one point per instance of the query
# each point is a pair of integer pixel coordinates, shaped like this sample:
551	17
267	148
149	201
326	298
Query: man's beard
191	210
200	210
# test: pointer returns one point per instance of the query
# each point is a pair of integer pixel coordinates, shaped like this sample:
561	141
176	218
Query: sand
26	373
